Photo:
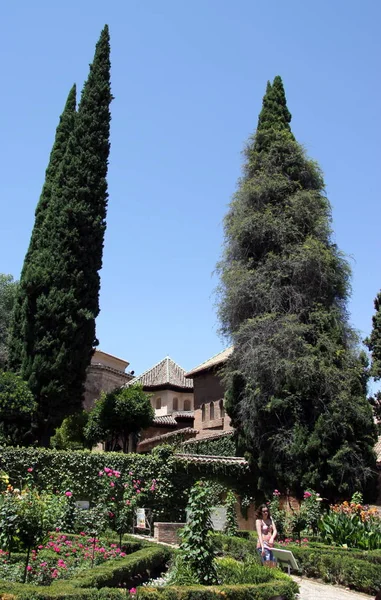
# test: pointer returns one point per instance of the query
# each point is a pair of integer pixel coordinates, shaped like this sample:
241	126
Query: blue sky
188	80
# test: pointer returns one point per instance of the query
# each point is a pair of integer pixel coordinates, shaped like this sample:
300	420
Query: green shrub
233	572
84	586
234	547
77	470
263	591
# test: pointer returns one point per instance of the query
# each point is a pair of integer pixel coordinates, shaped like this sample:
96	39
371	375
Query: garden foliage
118	415
54	333
296	384
17	409
8	292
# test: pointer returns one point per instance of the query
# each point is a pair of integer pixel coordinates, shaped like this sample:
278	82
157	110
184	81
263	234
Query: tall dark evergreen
296	383
64	130
374	340
58	329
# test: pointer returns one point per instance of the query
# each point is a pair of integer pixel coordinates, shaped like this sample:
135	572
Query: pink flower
133	591
100	474
111	515
128	502
276	493
131	473
112	484
307	495
30	469
68	494
138	491
107	470
29	568
122	554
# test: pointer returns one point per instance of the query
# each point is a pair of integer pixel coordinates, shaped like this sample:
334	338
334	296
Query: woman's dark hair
260	509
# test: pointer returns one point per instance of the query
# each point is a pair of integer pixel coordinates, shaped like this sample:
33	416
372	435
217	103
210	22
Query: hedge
260	591
77	470
359	570
122	572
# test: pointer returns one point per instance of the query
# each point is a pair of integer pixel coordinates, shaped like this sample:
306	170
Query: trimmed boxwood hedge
260	591
359	570
127	572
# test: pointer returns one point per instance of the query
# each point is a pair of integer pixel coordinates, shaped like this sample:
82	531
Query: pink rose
112	484
29	568
30	469
133	591
68	494
107	470
307	495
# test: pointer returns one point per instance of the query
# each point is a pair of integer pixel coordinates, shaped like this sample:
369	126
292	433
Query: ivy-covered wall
222	446
77	471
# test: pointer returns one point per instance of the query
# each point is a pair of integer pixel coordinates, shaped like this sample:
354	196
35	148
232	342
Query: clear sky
188	79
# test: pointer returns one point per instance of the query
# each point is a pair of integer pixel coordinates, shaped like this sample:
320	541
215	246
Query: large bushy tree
8	292
296	384
17	408
117	415
57	334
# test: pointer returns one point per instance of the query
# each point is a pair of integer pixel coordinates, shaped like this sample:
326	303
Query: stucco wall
167	397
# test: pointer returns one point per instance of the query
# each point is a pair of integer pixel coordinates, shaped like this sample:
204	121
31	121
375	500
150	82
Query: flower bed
261	591
117	571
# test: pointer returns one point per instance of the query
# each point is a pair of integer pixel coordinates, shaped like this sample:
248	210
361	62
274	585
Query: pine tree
58	331
64	129
296	385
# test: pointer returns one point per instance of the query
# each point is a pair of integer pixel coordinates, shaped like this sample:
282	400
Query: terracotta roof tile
201	458
207	435
164	420
219	358
165	436
165	372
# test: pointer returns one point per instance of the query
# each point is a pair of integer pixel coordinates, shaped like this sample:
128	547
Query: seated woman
266	531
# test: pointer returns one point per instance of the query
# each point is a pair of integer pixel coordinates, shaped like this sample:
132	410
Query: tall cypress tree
63	296
374	340
64	130
296	388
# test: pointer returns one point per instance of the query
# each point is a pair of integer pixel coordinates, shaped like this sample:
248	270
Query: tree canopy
296	384
17	410
54	333
8	292
117	415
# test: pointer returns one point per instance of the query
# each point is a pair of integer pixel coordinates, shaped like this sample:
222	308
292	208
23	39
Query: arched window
222	409
175	404
158	403
203	412
211	411
187	404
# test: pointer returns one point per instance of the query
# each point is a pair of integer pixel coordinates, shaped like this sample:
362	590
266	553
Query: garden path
311	590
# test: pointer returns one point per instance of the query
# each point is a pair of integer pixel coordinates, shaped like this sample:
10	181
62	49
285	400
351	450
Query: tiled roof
201	458
218	359
207	435
377	449
183	414
165	436
164	373
164	420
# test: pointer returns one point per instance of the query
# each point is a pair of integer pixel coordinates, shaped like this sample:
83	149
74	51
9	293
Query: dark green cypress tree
296	385
374	340
64	130
63	293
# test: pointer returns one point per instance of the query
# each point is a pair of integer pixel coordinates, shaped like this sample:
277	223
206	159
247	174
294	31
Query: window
187	404
211	411
175	404
158	403
203	412
222	409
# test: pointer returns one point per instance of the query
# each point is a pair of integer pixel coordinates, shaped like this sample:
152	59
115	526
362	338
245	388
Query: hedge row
77	470
126	572
260	591
358	570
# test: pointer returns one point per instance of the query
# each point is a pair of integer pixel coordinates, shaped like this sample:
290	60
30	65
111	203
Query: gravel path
313	590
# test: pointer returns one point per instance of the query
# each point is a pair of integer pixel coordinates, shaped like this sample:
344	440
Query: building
105	373
172	399
210	419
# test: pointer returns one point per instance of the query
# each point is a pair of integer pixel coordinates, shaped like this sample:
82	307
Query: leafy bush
234	547
231	526
263	591
196	546
353	525
232	572
75	470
